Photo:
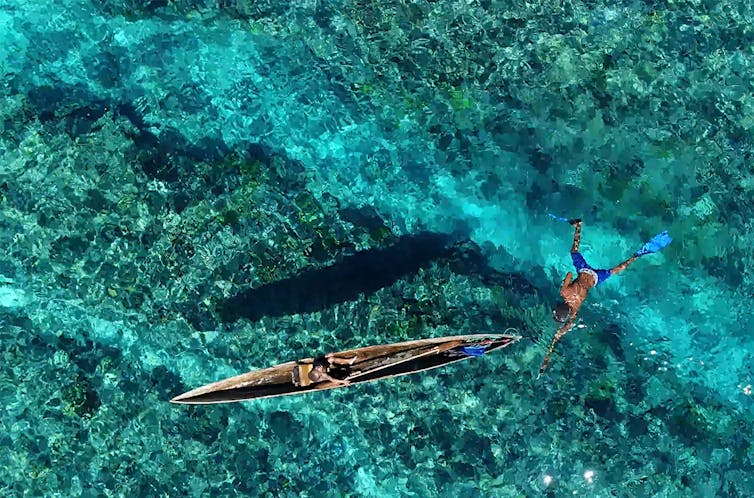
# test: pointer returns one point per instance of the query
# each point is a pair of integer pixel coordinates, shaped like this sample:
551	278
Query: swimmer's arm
568	325
558	336
572	318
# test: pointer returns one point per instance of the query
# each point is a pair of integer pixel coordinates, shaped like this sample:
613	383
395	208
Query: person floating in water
574	291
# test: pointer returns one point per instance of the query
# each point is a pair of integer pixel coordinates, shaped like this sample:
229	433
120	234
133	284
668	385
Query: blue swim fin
655	244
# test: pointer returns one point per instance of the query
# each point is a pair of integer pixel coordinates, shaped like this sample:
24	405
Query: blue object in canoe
474	350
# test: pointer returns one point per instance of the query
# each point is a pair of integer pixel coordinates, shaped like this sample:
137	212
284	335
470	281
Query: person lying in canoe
320	369
574	291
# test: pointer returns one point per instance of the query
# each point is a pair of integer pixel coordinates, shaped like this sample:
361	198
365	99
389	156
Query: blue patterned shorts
580	263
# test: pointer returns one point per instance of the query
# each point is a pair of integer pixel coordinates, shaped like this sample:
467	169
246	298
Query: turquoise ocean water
159	157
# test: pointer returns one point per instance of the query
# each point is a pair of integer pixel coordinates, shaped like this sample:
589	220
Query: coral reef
160	160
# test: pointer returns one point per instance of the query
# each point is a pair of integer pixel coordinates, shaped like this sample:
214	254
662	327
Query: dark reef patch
363	272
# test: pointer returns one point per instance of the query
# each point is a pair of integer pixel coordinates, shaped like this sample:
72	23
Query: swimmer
574	291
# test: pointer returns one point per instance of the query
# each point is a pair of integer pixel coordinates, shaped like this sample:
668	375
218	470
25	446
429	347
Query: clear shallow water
157	160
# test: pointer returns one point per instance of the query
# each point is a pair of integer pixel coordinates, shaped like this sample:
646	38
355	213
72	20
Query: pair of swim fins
656	243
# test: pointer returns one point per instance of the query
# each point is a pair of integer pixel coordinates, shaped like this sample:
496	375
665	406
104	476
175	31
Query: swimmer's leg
334	360
576	235
619	268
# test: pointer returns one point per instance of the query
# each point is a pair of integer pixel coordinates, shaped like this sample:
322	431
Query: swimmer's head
561	312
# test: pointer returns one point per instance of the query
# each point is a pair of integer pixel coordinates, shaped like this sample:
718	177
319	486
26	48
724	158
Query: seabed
365	173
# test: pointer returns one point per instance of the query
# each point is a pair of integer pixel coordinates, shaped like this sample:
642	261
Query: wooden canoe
371	363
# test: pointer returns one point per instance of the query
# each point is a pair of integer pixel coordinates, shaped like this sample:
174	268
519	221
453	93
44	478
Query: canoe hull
373	363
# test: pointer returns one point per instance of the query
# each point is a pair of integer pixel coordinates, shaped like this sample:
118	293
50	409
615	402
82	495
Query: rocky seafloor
158	158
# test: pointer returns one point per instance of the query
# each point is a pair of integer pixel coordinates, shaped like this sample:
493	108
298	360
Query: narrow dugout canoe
369	364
